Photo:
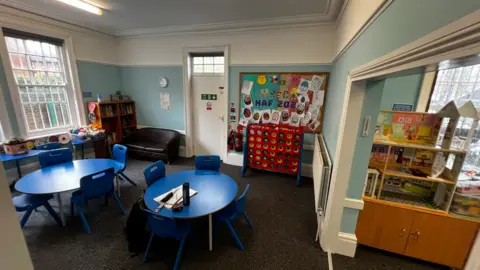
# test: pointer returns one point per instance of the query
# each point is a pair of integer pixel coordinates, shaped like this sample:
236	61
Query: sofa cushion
137	145
155	149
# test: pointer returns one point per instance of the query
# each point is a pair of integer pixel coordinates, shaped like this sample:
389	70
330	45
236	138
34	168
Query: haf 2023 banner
295	99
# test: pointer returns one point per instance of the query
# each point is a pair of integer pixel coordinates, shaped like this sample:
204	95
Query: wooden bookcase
118	118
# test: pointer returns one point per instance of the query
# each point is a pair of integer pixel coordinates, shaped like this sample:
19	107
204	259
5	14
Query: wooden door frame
457	39
187	96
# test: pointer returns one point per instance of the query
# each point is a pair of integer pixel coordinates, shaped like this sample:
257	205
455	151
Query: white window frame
73	87
208	74
5	124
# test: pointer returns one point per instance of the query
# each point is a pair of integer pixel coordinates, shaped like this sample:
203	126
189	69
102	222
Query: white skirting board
181	151
346	244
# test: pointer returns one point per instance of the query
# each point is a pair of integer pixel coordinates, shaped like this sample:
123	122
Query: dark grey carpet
282	237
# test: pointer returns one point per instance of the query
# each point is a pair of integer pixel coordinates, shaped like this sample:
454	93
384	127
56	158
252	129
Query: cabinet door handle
402	232
416	235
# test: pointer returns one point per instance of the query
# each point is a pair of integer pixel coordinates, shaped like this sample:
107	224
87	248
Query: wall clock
163	82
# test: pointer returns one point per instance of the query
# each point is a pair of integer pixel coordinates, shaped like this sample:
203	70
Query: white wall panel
308	45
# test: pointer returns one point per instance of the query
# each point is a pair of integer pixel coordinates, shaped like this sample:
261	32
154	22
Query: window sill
48	134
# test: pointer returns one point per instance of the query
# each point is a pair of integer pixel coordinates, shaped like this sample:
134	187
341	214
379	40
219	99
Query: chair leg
234	234
247	219
53	213
126	178
86	227
119	203
26	216
72	209
148	248
180	251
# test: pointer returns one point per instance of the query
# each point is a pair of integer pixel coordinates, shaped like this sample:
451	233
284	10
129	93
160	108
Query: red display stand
276	148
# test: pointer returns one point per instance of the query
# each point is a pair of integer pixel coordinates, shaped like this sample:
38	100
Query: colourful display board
292	99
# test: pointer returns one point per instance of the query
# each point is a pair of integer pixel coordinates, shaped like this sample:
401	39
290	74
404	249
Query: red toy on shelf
276	148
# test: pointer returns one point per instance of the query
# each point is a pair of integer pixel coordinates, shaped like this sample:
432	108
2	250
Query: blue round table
215	191
62	177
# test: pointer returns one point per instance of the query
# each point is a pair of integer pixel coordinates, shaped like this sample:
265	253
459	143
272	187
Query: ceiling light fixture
83	5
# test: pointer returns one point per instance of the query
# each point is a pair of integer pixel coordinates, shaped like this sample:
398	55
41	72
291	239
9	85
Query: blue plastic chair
28	203
56	156
120	156
167	228
231	212
49	146
94	186
207	162
154	172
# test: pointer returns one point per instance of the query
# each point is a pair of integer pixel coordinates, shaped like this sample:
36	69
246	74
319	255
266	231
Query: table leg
75	151
60	206
83	152
118	184
210	233
19	171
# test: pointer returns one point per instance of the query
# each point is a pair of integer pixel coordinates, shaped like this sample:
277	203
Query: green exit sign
209	97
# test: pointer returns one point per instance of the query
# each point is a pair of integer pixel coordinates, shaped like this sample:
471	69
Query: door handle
402	232
416	235
220	117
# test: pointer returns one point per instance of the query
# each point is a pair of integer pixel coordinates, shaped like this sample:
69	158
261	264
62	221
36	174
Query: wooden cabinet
433	237
379	226
441	239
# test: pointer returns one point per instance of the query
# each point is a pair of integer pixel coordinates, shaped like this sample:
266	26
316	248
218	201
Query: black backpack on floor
136	228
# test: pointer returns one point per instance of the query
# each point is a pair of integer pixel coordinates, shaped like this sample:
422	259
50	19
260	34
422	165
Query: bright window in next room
460	85
208	64
46	99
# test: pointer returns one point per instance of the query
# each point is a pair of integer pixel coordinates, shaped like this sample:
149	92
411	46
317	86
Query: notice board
286	98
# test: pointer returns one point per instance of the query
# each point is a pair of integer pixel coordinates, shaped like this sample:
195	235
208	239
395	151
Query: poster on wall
289	98
165	101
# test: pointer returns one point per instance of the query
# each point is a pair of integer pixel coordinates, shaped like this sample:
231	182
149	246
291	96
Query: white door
208	115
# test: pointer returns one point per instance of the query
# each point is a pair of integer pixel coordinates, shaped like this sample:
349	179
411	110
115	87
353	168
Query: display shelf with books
118	118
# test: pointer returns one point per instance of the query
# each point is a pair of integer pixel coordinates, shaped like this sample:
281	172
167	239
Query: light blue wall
142	85
98	78
404	90
402	22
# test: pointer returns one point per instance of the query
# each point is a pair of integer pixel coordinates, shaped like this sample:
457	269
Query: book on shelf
107	111
126	109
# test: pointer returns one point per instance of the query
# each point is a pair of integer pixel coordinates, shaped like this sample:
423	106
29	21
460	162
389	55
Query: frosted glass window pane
197	69
208	68
208	60
218	60
219	68
197	60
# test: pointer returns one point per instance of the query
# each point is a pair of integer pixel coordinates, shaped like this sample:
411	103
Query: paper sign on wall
317	99
316	83
165	101
247	87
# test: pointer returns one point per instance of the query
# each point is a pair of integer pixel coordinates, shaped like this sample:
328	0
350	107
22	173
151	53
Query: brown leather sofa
153	144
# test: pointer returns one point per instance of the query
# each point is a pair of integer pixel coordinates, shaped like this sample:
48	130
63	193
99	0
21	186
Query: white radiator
322	167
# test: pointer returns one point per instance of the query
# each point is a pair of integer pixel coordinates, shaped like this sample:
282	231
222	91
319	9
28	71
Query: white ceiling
123	16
